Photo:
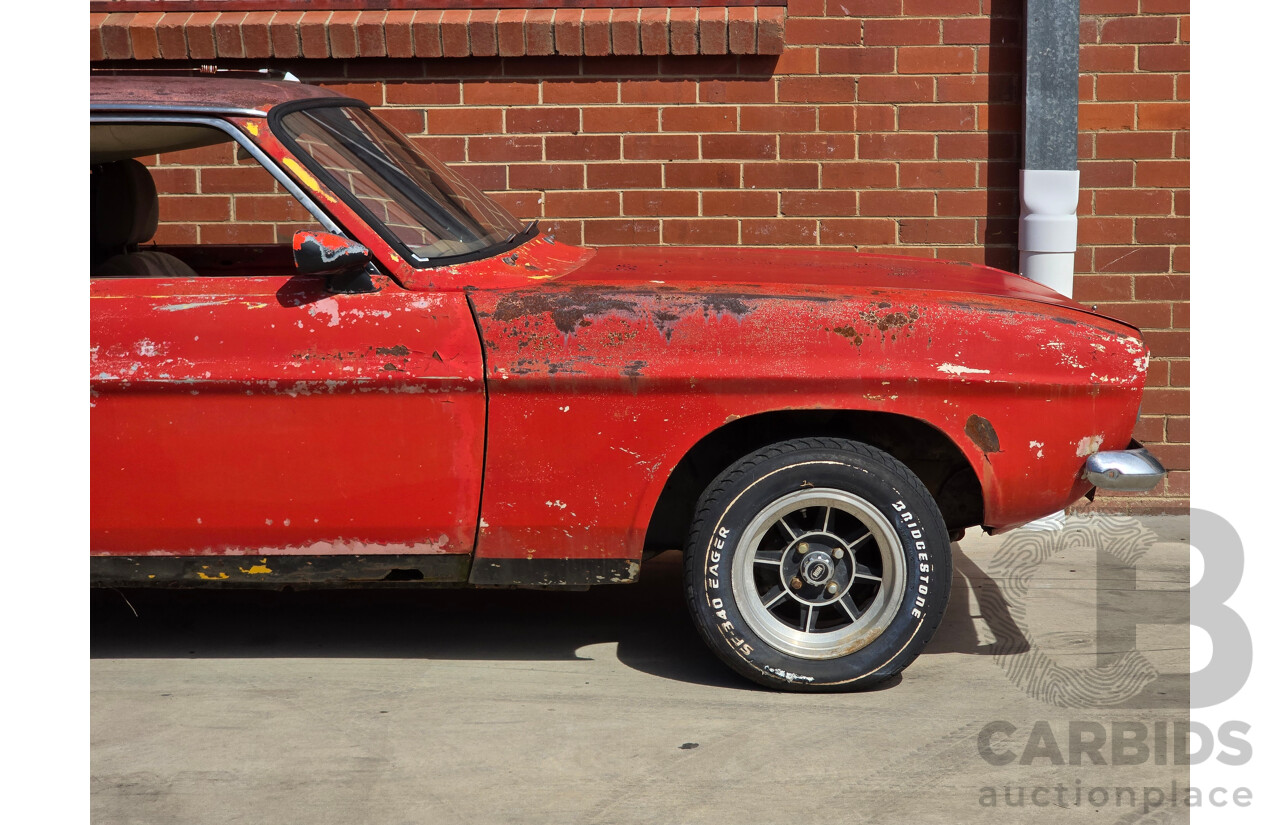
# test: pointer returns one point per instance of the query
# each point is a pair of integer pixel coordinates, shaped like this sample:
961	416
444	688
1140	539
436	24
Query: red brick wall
212	195
885	126
1134	261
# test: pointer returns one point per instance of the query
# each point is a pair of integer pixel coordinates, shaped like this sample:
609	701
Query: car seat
124	212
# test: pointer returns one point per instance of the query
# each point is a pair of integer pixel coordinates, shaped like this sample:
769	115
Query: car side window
177	200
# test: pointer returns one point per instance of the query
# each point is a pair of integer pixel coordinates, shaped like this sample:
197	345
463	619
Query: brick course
890	127
432	34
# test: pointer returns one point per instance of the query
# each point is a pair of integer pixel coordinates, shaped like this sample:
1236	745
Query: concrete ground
604	707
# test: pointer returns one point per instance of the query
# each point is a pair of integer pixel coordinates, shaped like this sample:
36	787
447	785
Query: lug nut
838	553
796	584
802	548
832	587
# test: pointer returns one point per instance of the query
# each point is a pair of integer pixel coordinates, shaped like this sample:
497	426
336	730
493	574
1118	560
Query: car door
249	411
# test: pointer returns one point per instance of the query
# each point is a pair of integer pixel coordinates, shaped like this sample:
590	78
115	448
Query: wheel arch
926	450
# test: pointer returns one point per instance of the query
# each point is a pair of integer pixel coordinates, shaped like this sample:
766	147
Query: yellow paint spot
252	127
307	180
395	257
303	174
151	575
255	305
209	578
257	569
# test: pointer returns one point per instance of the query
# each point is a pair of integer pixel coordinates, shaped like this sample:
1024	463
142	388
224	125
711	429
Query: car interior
138	231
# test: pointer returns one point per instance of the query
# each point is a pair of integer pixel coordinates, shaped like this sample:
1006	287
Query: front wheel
817	564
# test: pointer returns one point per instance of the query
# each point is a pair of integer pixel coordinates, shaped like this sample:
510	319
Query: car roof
225	95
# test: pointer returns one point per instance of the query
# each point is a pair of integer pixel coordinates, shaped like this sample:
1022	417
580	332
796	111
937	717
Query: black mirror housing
344	263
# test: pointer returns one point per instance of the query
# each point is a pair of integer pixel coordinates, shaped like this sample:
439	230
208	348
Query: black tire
862	570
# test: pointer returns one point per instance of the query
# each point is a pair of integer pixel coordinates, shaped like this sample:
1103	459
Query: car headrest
123	206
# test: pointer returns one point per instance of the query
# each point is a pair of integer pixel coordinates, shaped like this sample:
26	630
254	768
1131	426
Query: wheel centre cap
817	567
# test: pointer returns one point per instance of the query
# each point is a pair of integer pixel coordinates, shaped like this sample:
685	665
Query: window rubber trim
274	118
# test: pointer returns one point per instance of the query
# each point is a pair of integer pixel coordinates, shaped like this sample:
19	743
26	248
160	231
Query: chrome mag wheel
819	573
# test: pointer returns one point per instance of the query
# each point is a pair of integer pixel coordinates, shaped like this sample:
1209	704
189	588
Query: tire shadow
958	632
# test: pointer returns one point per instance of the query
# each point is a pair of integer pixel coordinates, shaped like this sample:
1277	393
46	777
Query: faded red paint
361	419
328	242
232	415
638	357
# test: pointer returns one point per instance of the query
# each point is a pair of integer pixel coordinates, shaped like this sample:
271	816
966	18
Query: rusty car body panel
640	356
530	411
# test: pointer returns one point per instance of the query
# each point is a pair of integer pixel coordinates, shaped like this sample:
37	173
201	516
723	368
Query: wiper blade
530	230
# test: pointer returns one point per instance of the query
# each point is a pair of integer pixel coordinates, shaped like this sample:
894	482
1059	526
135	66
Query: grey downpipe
1049	182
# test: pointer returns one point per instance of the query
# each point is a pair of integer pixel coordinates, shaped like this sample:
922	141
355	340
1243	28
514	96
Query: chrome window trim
226	111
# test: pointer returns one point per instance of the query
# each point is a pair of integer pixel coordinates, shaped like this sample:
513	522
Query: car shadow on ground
648	621
959	632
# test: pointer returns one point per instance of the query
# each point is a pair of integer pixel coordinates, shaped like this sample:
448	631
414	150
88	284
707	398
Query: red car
375	374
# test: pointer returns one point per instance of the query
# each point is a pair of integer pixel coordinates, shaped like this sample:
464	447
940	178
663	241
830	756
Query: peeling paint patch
326	306
557	503
194	305
1065	358
1038	446
1089	445
958	369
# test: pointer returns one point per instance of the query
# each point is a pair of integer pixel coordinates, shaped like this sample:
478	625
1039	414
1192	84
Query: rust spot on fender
399	349
891	320
574	309
982	434
567	310
852	334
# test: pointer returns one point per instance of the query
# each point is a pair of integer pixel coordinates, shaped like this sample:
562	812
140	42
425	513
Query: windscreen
425	206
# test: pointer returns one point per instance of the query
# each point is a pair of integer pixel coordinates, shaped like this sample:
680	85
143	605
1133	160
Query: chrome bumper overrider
1134	470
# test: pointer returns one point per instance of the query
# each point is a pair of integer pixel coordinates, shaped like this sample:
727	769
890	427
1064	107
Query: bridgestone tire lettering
784	586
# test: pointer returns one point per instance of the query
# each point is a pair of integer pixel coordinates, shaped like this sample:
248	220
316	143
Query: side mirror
343	262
